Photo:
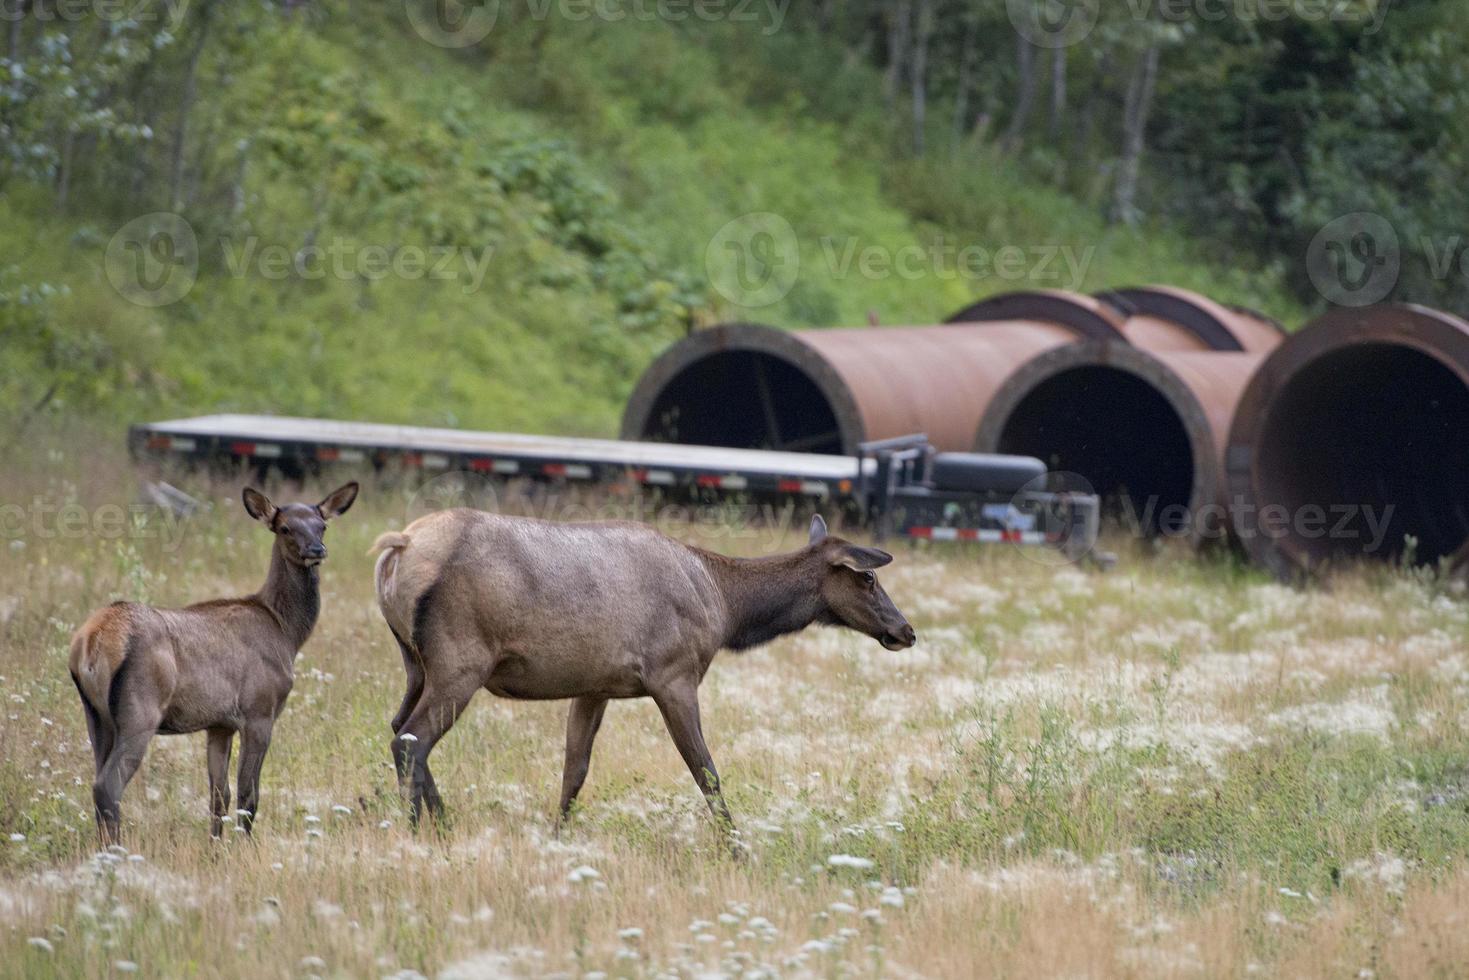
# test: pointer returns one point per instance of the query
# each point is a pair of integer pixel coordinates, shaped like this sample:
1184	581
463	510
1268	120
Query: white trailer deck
286	441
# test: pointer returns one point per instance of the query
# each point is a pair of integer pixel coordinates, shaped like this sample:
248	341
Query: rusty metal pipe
751	386
828	390
1146	429
1354	437
1166	318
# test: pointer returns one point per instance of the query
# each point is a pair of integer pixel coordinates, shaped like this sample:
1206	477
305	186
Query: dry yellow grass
1173	769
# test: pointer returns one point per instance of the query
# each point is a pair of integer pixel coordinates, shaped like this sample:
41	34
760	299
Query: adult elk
538	610
222	666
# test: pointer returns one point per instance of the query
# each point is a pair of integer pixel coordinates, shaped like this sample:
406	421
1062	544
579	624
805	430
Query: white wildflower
850	861
583	873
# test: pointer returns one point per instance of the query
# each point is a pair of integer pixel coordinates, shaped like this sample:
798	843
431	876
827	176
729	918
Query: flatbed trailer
897	486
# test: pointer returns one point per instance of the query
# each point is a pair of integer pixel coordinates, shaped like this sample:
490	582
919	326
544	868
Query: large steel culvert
1145	422
751	386
1354	436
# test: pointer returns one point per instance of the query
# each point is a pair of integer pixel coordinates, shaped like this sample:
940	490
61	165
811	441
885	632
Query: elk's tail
99	649
385	575
387	541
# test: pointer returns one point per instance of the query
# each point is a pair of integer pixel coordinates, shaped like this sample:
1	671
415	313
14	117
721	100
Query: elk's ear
337	502
861	559
818	529
258	505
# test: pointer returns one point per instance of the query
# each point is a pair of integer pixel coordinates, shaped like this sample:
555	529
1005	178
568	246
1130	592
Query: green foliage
573	174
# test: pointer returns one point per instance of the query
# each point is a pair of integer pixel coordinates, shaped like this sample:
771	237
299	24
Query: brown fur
539	610
221	666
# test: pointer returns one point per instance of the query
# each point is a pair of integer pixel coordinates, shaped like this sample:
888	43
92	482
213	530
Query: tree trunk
919	72
898	17
1134	133
63	177
17	18
1058	90
186	108
1088	123
1024	93
966	73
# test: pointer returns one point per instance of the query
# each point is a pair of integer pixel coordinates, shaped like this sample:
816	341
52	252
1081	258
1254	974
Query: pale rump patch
97	651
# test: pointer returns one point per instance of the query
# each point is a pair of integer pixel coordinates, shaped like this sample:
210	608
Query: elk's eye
869	579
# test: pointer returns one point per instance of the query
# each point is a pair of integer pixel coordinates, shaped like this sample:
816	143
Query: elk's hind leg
443	700
221	742
413	667
99	731
136	709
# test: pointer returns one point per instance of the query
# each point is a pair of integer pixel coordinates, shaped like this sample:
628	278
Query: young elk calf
537	610
223	666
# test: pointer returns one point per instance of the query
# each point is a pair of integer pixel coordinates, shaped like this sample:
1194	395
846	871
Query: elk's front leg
581	730
680	707
221	743
254	743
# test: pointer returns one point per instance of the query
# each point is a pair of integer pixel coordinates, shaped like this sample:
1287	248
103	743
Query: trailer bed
265	440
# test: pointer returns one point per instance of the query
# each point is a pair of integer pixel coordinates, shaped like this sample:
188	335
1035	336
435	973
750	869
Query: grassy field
1176	768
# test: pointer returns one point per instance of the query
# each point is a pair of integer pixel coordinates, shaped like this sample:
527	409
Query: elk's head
299	527
851	592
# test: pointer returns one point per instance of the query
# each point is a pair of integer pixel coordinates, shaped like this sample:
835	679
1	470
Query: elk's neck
292	592
766	597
